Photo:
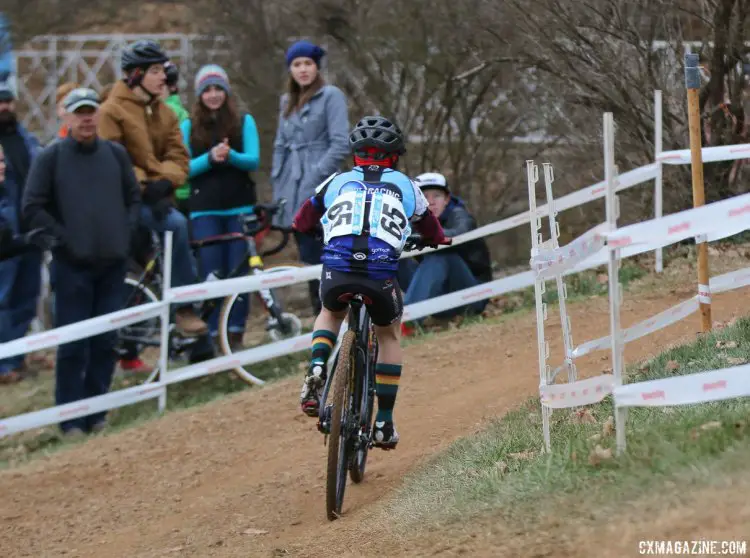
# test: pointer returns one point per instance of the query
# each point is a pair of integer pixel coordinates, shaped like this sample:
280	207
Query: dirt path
193	483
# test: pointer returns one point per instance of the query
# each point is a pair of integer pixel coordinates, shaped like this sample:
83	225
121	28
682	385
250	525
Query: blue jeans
223	258
20	286
407	267
183	263
85	367
439	274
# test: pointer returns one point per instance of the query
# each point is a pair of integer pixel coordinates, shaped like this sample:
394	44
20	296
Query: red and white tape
708	154
714	385
576	394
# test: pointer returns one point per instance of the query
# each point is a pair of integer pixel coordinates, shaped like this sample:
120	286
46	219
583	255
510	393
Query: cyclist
366	216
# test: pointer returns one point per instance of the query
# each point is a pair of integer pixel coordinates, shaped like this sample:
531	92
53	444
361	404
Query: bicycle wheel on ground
284	326
340	442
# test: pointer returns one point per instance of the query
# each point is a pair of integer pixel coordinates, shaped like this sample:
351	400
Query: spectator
84	190
60	95
135	116
311	142
173	101
451	269
225	147
12	245
20	277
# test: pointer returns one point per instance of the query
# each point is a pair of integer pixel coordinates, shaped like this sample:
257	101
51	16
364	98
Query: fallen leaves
672	366
599	454
734	361
502	467
608	428
726	344
522	455
582	416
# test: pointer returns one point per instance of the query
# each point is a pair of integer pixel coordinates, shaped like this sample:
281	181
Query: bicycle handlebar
415	242
260	220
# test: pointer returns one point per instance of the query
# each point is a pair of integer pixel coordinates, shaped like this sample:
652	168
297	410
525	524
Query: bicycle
279	324
348	419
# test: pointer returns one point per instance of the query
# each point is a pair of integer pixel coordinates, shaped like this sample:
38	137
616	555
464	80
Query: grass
502	469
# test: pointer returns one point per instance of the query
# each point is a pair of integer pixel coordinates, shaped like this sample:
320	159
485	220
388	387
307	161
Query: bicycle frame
364	377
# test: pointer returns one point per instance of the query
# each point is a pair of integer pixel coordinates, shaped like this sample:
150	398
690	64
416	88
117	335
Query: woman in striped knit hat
224	147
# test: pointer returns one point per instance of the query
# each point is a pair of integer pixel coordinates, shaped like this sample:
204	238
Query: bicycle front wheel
280	327
340	442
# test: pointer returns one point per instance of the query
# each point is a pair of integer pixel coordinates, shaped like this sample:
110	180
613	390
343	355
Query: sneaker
310	395
384	435
188	324
74	433
135	366
236	341
99	427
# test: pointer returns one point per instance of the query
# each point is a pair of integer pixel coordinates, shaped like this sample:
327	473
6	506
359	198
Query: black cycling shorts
382	296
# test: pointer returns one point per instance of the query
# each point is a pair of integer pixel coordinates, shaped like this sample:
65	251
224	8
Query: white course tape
655	323
714	385
719	216
549	263
69	411
80	330
730	281
576	394
708	154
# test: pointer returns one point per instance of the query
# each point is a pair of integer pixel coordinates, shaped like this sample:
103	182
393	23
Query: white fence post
562	289
532	175
658	192
615	291
165	319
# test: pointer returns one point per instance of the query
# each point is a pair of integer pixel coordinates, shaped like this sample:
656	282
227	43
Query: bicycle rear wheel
340	442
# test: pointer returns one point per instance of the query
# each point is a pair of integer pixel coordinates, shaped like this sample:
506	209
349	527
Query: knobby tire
338	458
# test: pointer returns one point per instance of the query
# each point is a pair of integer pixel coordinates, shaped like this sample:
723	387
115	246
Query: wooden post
693	83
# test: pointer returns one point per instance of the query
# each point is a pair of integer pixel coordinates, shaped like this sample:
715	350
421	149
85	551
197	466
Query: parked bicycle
280	324
348	419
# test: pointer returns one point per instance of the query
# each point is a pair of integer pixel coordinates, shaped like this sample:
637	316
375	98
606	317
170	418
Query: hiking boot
135	366
188	324
309	397
384	435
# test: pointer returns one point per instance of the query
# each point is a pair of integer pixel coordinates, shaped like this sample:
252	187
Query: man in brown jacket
135	116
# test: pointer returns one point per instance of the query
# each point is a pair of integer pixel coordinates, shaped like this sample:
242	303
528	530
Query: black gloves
156	191
158	195
43	239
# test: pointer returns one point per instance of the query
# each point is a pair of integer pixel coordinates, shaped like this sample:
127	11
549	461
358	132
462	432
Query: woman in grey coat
311	142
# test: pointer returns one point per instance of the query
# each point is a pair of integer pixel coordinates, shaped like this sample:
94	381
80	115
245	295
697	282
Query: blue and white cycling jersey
367	219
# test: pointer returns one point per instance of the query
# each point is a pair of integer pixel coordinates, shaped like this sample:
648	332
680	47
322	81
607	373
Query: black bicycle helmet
173	74
378	132
142	54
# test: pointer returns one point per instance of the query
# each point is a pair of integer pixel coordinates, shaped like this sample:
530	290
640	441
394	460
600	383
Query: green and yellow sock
323	342
387	377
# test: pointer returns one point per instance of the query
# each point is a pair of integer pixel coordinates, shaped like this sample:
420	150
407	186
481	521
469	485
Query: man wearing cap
20	277
453	269
84	190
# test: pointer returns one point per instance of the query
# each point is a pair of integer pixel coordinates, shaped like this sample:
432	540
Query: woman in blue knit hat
224	148
311	141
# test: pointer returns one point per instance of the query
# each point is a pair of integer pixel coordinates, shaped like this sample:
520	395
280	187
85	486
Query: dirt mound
245	476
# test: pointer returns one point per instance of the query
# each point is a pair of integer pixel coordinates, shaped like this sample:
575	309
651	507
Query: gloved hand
161	208
156	190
